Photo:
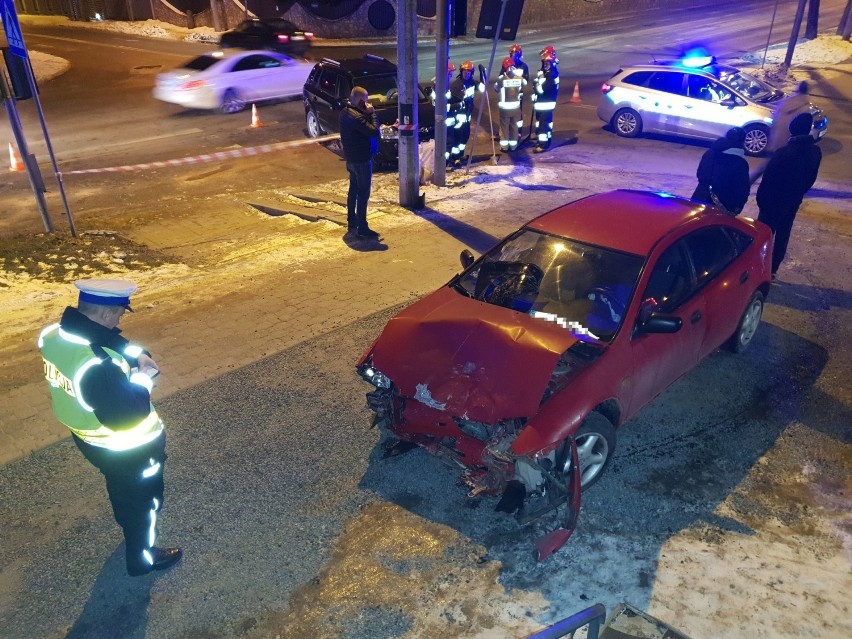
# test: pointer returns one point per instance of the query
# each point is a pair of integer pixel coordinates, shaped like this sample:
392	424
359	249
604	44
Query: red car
522	367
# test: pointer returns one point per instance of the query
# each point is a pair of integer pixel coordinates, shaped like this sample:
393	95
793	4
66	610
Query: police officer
544	98
450	122
101	386
517	55
510	85
463	89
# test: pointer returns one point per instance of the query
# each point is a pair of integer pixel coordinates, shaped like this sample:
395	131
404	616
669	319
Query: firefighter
510	85
544	98
453	107
463	90
517	55
100	385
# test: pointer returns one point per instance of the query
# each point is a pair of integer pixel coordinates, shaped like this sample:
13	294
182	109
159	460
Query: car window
702	88
313	78
671	280
583	288
755	89
711	251
255	62
201	63
741	240
639	78
668	81
328	82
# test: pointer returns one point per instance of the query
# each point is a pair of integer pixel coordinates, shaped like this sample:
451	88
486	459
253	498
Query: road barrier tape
209	157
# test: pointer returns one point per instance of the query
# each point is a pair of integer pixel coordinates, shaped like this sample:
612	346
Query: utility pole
797	24
409	121
442	50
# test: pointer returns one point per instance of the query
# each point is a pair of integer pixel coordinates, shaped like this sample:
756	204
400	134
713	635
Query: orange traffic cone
15	163
575	99
255	119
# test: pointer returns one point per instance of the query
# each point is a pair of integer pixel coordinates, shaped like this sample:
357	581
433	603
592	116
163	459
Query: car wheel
595	447
749	322
756	140
627	123
314	128
232	102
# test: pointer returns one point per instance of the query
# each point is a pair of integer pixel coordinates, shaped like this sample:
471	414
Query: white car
230	80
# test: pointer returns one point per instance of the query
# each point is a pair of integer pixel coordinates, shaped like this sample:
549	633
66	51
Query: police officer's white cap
106	292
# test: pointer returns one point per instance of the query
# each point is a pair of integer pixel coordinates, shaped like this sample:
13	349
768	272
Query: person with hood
789	174
722	173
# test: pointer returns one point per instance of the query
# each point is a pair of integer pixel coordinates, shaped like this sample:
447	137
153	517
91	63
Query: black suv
327	91
277	35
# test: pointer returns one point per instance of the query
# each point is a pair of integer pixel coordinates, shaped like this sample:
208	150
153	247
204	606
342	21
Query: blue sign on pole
12	28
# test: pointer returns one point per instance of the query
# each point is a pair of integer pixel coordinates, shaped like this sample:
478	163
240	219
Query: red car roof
629	221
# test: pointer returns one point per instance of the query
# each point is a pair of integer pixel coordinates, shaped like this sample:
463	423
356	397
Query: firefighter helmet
516	51
548	54
508	63
450	66
467	65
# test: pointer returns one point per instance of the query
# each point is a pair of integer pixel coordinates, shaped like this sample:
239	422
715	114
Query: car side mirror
661	323
466	258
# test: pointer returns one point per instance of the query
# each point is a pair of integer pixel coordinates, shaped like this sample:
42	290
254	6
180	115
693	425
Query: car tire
627	123
313	125
595	447
232	102
756	140
747	327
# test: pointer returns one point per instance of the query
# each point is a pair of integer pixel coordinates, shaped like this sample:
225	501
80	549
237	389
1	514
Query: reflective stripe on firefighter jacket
66	358
510	88
452	108
546	89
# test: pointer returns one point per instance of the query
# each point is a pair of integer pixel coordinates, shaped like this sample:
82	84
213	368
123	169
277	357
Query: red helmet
515	51
548	53
507	63
450	66
467	65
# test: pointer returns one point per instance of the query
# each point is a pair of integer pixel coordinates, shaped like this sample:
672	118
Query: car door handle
744	277
695	317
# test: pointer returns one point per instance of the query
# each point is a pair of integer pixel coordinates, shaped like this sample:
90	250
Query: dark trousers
781	225
135	487
360	182
544	128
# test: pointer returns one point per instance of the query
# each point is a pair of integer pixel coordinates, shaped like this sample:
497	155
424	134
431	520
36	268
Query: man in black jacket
359	134
789	174
723	173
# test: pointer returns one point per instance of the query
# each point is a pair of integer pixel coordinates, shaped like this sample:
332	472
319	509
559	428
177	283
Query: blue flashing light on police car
697	58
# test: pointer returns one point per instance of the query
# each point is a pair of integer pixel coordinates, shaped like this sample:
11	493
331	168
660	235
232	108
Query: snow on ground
144	28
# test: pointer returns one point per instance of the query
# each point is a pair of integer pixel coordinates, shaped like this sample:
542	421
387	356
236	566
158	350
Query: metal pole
409	121
794	35
442	54
769	35
490	64
56	172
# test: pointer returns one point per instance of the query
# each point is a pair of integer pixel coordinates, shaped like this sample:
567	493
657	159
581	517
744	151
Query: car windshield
748	85
382	89
585	289
201	63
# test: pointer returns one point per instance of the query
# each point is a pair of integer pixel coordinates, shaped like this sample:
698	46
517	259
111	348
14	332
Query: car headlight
374	376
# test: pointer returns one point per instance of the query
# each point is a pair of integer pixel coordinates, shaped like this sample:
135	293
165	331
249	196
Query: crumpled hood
469	358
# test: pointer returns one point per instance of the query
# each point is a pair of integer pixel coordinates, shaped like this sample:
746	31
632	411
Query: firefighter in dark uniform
517	55
464	89
510	86
544	98
100	385
453	107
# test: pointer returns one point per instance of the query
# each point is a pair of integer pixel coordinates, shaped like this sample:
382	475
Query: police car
695	97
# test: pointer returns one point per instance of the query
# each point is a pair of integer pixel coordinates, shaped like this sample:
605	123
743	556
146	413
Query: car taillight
283	38
309	35
195	84
606	88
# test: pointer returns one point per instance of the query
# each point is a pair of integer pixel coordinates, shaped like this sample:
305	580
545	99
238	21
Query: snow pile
146	28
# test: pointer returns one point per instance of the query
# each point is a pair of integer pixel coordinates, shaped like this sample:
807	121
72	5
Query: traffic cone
575	99
255	119
15	163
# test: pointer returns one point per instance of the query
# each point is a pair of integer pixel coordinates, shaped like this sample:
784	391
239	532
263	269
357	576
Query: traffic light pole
409	121
442	45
